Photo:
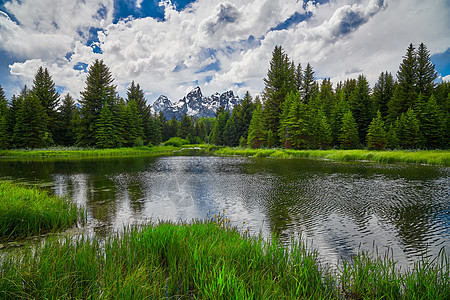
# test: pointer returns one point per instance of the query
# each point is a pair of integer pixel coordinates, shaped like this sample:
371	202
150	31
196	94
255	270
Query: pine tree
3	103
45	92
98	90
383	92
66	133
426	73
326	97
256	133
4	135
105	133
137	94
298	125
298	78
321	131
242	115
433	124
408	130
279	82
362	106
309	87
200	129
284	131
349	132
229	134
337	114
173	128
219	126
155	136
30	130
134	128
376	135
186	127
405	91
4	141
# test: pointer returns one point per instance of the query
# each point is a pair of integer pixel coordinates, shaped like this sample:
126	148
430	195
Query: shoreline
423	157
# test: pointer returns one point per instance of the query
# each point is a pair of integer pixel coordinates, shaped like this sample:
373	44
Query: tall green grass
436	157
202	260
29	211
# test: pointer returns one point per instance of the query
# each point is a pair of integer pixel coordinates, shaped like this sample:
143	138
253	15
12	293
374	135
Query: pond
338	208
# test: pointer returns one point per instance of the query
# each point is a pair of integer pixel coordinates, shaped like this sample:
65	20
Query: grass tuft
29	211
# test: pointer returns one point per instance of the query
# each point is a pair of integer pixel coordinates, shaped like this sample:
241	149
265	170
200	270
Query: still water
338	208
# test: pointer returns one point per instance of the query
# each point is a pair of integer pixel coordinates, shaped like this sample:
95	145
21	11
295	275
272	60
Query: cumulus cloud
218	45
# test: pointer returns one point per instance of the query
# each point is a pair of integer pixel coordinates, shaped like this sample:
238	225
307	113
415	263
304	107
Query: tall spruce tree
4	140
349	132
406	90
137	94
242	115
383	92
337	114
279	82
3	103
134	127
426	74
30	130
298	124
66	133
433	124
408	130
362	106
99	89
45	92
308	88
186	127
298	77
105	133
256	132
376	135
321	131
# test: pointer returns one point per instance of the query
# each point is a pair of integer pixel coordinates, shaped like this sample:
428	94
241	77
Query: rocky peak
195	104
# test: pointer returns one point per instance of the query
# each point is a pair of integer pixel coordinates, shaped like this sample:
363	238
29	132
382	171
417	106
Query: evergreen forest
295	110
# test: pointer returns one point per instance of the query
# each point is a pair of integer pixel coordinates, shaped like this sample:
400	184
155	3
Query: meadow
206	260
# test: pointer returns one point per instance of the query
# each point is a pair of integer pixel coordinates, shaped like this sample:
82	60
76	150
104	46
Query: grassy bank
29	211
436	157
441	158
203	261
73	152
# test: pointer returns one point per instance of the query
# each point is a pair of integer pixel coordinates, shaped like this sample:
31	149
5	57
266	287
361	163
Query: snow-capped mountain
195	104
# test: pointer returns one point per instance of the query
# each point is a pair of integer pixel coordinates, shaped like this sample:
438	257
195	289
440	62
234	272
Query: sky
169	47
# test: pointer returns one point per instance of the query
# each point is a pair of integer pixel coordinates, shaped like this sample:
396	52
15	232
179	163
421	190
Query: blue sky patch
442	62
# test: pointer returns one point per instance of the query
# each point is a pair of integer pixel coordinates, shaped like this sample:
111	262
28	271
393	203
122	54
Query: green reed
29	211
205	260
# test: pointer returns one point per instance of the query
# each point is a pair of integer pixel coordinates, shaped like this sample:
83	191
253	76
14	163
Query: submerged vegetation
204	260
29	211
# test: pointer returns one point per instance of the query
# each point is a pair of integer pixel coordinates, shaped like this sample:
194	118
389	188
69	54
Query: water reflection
341	207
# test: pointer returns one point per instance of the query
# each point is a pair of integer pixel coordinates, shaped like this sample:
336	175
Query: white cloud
446	78
340	40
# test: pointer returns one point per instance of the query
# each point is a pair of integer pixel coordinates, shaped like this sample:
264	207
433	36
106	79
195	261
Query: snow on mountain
194	104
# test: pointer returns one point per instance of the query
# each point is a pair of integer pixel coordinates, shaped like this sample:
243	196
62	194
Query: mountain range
194	104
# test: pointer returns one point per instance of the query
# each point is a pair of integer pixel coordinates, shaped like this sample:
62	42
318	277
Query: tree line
296	112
